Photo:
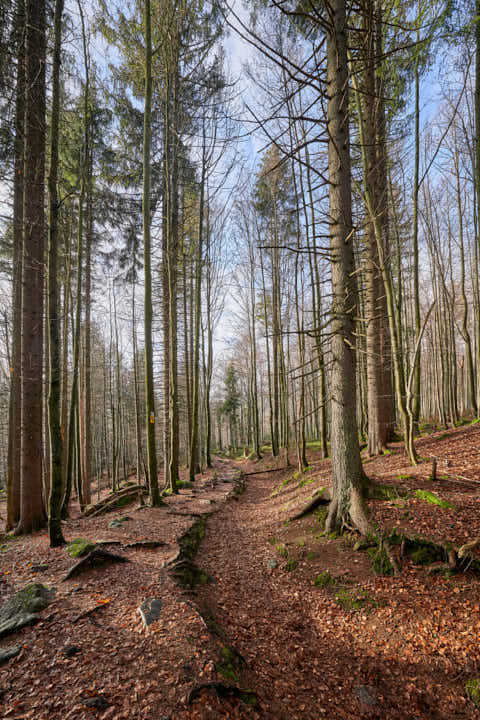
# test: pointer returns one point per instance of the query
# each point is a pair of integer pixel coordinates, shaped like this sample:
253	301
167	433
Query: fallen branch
112	499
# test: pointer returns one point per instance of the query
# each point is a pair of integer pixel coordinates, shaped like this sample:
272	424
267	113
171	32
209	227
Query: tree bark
15	400
32	513
347	473
56	442
148	310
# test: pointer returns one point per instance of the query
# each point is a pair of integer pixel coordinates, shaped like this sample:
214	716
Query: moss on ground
473	691
191	540
80	547
355	600
282	550
381	564
230	663
324	580
125	500
184	484
433	499
424	556
378	491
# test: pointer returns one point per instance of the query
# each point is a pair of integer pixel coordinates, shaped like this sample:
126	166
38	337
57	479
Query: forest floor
270	618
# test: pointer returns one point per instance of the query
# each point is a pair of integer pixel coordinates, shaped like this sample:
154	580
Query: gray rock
99	703
272	564
364	693
8	627
115	523
9	653
71	650
150	610
205	502
21	608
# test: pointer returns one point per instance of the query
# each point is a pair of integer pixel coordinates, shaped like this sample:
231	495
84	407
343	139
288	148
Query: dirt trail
405	651
249	616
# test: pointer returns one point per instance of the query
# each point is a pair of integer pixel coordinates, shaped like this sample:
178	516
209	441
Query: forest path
367	647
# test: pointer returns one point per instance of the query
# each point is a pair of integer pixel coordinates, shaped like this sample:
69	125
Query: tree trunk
15	400
56	443
148	310
32	513
347	473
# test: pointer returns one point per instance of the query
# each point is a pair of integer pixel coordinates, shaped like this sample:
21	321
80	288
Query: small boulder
71	650
114	524
272	564
80	547
364	693
99	703
150	610
9	653
21	608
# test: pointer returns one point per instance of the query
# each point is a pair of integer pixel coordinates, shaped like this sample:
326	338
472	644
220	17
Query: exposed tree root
263	472
96	557
224	691
88	613
320	497
464	550
456	558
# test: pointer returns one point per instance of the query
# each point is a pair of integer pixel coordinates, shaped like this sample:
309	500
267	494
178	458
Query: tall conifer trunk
148	311
346	463
32	513
56	443
14	425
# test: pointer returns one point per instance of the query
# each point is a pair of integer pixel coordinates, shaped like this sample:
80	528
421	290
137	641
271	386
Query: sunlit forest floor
261	615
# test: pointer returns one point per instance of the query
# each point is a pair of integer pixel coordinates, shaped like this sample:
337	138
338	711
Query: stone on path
71	650
150	610
99	703
21	608
9	653
364	693
272	564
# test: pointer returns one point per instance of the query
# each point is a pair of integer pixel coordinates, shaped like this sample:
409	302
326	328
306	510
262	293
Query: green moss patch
324	580
381	564
190	541
355	600
184	484
80	547
376	491
424	556
291	564
282	550
472	688
188	575
230	664
433	499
